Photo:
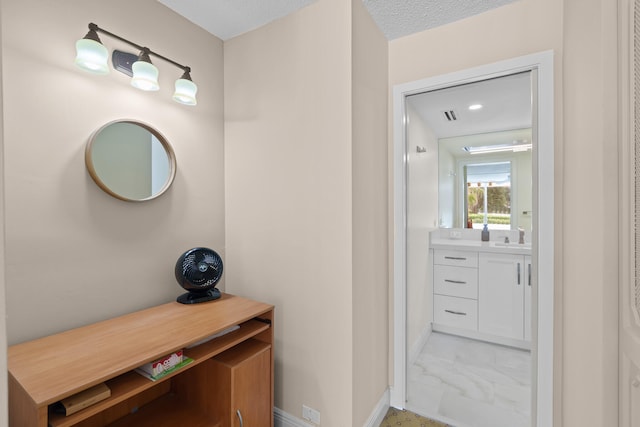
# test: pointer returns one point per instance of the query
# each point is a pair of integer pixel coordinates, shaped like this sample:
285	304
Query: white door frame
543	237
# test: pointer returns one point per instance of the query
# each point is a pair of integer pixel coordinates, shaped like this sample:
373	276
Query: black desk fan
198	270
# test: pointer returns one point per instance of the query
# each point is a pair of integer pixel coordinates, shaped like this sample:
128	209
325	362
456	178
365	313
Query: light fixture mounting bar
95	27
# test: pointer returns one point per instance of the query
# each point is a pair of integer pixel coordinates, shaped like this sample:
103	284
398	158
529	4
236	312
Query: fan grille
199	269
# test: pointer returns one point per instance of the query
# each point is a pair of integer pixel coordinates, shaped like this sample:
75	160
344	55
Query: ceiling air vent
450	115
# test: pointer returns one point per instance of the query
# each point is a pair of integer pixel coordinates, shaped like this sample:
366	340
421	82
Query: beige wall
522	27
3	319
305	153
75	255
582	35
288	181
293	182
590	280
369	217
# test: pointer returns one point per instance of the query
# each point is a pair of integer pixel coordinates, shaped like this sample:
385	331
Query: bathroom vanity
482	290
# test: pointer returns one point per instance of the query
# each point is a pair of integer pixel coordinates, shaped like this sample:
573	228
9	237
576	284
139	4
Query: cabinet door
501	283
242	393
527	298
251	393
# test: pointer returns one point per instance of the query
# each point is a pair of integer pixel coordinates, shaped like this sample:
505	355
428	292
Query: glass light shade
185	92
92	56
145	76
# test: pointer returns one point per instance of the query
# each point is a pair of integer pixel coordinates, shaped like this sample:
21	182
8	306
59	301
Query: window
488	195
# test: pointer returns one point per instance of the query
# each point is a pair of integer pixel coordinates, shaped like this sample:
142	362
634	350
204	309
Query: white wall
422	217
75	255
524	178
447	190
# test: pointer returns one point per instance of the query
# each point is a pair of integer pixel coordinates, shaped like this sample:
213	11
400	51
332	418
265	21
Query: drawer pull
460	282
457	258
457	313
239	414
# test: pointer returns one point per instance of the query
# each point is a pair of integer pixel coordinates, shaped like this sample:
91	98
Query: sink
513	245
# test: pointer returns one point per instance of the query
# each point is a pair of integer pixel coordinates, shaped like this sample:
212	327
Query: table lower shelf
168	410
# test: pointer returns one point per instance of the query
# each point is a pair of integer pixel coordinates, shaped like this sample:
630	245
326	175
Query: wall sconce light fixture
92	56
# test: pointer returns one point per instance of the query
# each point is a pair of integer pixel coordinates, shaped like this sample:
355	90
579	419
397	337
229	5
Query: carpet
396	417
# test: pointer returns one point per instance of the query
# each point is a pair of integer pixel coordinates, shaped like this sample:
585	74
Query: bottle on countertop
485	233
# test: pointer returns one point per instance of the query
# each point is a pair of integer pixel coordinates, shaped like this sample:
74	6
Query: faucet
506	239
521	238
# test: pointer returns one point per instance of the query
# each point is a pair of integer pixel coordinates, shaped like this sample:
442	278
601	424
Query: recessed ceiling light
475	107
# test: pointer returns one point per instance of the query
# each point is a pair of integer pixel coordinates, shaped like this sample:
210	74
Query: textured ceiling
395	18
404	17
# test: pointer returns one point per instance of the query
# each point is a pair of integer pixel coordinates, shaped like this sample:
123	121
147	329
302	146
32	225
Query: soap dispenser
485	233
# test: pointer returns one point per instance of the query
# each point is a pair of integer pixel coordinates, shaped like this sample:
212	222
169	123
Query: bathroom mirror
130	160
486	178
473	140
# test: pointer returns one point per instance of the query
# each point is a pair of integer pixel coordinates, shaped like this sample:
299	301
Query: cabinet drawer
455	281
456	312
460	258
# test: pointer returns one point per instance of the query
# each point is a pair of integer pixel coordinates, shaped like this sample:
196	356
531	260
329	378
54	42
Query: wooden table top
58	365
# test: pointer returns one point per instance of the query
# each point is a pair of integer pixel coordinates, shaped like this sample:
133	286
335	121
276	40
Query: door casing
543	225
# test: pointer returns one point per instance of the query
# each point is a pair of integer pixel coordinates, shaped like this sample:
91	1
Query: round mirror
130	160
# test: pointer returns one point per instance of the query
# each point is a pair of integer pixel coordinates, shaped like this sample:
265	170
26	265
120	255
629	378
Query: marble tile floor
469	383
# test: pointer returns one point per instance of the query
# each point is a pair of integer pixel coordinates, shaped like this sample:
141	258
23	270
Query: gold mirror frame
100	182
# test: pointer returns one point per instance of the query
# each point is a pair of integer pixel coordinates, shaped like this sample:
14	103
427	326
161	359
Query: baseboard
508	342
376	417
284	419
419	343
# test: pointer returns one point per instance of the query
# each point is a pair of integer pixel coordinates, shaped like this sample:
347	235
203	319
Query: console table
234	369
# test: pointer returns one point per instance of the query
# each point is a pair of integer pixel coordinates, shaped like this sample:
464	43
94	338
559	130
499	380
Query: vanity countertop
479	246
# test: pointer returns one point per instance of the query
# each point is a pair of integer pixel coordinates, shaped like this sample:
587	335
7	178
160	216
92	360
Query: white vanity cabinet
455	288
483	291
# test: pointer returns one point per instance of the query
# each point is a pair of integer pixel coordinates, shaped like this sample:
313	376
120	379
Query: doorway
541	67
